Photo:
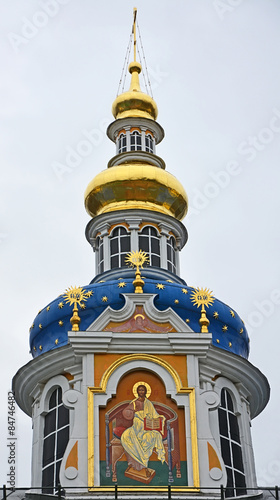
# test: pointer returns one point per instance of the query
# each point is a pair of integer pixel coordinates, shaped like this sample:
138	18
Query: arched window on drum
56	437
149	242
171	254
149	143
231	446
135	141
122	143
119	246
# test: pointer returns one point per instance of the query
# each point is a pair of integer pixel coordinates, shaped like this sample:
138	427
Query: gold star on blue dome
122	284
160	286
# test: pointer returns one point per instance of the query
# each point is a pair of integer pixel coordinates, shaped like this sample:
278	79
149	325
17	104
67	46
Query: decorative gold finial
202	297
137	259
74	296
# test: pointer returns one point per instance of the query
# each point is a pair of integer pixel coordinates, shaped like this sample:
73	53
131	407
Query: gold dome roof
139	186
134	102
135	183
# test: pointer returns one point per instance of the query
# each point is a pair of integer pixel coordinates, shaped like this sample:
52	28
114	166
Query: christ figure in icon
144	436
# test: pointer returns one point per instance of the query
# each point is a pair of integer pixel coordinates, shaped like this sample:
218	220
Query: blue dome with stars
51	326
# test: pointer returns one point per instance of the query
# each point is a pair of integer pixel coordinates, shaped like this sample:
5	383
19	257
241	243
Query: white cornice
151	343
38	371
137	156
217	361
111	218
239	370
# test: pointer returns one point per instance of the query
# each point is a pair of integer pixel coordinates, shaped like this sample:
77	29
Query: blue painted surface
51	335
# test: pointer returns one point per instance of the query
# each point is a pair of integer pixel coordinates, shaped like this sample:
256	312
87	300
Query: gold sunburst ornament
75	296
202	297
137	259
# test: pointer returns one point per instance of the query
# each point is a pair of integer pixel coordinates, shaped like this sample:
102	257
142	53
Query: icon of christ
144	436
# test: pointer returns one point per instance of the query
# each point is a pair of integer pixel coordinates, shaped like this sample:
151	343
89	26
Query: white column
103	230
164	234
143	139
133	225
37	439
127	138
177	262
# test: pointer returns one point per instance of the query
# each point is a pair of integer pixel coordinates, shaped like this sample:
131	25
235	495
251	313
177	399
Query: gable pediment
139	315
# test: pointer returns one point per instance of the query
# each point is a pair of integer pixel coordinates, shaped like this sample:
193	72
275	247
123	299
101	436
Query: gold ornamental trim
202	297
137	259
144	357
75	296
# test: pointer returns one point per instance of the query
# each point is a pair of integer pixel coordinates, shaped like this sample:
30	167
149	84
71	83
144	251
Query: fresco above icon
139	435
139	323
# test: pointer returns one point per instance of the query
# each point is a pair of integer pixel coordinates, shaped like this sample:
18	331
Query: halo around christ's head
135	387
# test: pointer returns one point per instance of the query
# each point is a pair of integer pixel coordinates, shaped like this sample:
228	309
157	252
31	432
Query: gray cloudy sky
214	69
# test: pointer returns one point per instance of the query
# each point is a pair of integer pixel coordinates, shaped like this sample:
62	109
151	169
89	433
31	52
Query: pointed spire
134	102
135	67
134	31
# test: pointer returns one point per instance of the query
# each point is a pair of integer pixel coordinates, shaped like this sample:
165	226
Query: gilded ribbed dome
134	102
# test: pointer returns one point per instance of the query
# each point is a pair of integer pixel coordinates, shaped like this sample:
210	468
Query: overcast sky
214	69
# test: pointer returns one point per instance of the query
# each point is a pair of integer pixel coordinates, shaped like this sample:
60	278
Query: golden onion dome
135	182
136	186
134	102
